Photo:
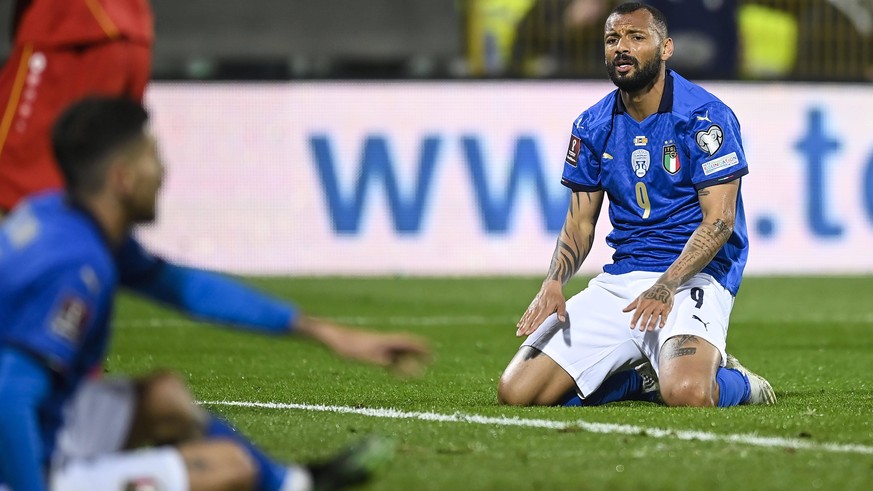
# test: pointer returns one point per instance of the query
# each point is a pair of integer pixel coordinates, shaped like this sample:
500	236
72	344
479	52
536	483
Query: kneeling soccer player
669	156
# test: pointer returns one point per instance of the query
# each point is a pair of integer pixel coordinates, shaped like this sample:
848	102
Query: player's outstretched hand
652	307
549	299
404	354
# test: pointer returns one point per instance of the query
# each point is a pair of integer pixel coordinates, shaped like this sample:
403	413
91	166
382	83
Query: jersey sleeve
715	146
582	164
24	384
135	264
202	294
54	323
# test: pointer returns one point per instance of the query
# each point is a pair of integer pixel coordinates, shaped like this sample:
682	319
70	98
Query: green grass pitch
811	337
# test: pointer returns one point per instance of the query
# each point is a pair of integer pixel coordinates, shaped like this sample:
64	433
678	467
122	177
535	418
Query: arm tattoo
574	205
576	202
568	257
569	253
704	244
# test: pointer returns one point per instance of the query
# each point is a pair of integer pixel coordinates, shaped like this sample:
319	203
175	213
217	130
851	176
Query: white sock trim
298	479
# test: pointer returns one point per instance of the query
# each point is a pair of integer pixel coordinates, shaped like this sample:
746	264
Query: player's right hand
549	300
402	354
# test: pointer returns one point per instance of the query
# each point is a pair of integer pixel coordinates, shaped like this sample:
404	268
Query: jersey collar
666	105
78	206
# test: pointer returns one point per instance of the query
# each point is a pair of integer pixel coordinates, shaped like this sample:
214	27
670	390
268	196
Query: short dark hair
88	132
659	20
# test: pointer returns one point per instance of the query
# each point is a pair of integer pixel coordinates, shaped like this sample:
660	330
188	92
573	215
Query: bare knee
533	379
689	392
219	465
688	368
164	386
166	411
238	465
168	393
510	393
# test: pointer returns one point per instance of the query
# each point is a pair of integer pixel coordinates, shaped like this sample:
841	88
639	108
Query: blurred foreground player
62	51
62	256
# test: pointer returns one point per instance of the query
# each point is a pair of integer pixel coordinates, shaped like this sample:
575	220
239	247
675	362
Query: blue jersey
58	277
651	172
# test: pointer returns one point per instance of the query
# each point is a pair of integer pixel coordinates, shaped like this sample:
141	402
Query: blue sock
271	474
626	385
733	387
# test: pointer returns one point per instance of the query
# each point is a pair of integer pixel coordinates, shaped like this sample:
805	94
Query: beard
143	216
140	209
644	75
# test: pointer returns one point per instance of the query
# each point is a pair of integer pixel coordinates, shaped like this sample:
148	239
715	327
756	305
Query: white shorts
149	469
596	341
97	419
89	456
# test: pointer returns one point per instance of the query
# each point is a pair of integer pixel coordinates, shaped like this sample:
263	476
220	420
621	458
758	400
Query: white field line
607	428
445	320
476	320
396	321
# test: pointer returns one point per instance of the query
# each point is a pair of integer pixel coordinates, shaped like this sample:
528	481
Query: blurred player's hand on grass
549	299
403	354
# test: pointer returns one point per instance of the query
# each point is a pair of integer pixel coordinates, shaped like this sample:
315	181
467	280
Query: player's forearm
570	252
218	298
325	333
574	242
341	340
704	244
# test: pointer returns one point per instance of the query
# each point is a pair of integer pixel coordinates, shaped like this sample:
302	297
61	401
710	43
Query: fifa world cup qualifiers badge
573	150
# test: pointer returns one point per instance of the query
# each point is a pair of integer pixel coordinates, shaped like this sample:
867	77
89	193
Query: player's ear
667	49
119	174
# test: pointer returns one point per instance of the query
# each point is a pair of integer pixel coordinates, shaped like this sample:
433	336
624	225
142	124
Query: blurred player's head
103	147
636	45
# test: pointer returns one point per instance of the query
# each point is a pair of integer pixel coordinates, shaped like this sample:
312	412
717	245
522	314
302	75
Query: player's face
144	176
634	53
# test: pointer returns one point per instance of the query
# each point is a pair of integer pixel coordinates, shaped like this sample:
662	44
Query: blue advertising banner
427	178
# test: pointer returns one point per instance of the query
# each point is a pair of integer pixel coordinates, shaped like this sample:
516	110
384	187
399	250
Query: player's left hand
652	307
